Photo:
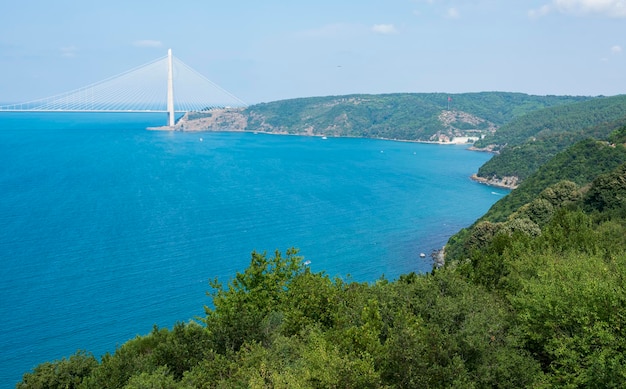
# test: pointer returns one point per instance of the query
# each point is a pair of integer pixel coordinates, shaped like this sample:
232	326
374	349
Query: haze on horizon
273	50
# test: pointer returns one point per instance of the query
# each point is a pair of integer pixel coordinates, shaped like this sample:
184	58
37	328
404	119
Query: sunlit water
107	229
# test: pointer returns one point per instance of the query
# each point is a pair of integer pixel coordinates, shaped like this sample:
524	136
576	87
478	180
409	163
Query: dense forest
527	142
532	295
405	116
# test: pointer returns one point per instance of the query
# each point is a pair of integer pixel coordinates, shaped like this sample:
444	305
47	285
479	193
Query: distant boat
422	255
324	137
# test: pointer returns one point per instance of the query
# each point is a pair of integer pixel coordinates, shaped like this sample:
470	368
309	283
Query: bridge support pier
170	90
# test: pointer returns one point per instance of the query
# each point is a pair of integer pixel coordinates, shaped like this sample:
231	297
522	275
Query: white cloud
615	50
384	29
147	43
453	13
539	12
607	8
68	51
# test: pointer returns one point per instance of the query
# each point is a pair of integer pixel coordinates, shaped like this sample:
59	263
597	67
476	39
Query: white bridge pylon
163	85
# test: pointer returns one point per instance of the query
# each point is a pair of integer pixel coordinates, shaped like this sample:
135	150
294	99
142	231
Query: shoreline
506	183
503	183
178	128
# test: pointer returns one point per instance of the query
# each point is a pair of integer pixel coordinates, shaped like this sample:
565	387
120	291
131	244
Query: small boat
422	255
324	137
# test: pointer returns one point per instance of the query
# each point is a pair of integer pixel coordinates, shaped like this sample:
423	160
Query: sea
107	229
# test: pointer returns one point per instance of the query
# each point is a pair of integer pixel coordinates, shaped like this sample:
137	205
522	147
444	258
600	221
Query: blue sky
270	50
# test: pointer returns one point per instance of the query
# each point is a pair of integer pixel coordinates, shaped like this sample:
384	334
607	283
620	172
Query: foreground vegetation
537	299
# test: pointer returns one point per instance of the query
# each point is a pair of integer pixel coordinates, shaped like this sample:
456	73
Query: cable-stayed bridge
163	85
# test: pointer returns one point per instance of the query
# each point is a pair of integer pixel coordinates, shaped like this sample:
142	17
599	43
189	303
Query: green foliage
530	141
239	310
566	118
64	374
159	379
413	116
618	136
162	351
571	317
464	340
312	301
608	191
579	164
539	211
566	283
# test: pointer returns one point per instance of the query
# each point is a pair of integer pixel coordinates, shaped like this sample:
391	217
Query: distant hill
435	117
528	141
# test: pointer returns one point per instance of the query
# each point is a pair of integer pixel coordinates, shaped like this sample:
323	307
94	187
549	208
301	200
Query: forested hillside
415	116
577	166
580	164
529	141
536	299
404	116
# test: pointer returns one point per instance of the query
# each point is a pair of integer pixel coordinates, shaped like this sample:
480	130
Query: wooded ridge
429	117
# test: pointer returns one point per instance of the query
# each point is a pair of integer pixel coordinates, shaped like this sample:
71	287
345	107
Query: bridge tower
170	90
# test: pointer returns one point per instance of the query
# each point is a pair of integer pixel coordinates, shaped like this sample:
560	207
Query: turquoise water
107	229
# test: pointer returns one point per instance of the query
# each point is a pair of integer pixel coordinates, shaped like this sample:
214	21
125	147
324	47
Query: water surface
107	229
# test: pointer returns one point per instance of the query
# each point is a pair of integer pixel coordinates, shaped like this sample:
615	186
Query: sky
263	51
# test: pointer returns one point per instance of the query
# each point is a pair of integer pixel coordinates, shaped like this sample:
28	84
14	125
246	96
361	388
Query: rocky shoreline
508	182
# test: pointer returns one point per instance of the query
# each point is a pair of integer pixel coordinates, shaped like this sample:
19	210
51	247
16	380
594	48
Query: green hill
403	116
578	166
406	116
529	141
